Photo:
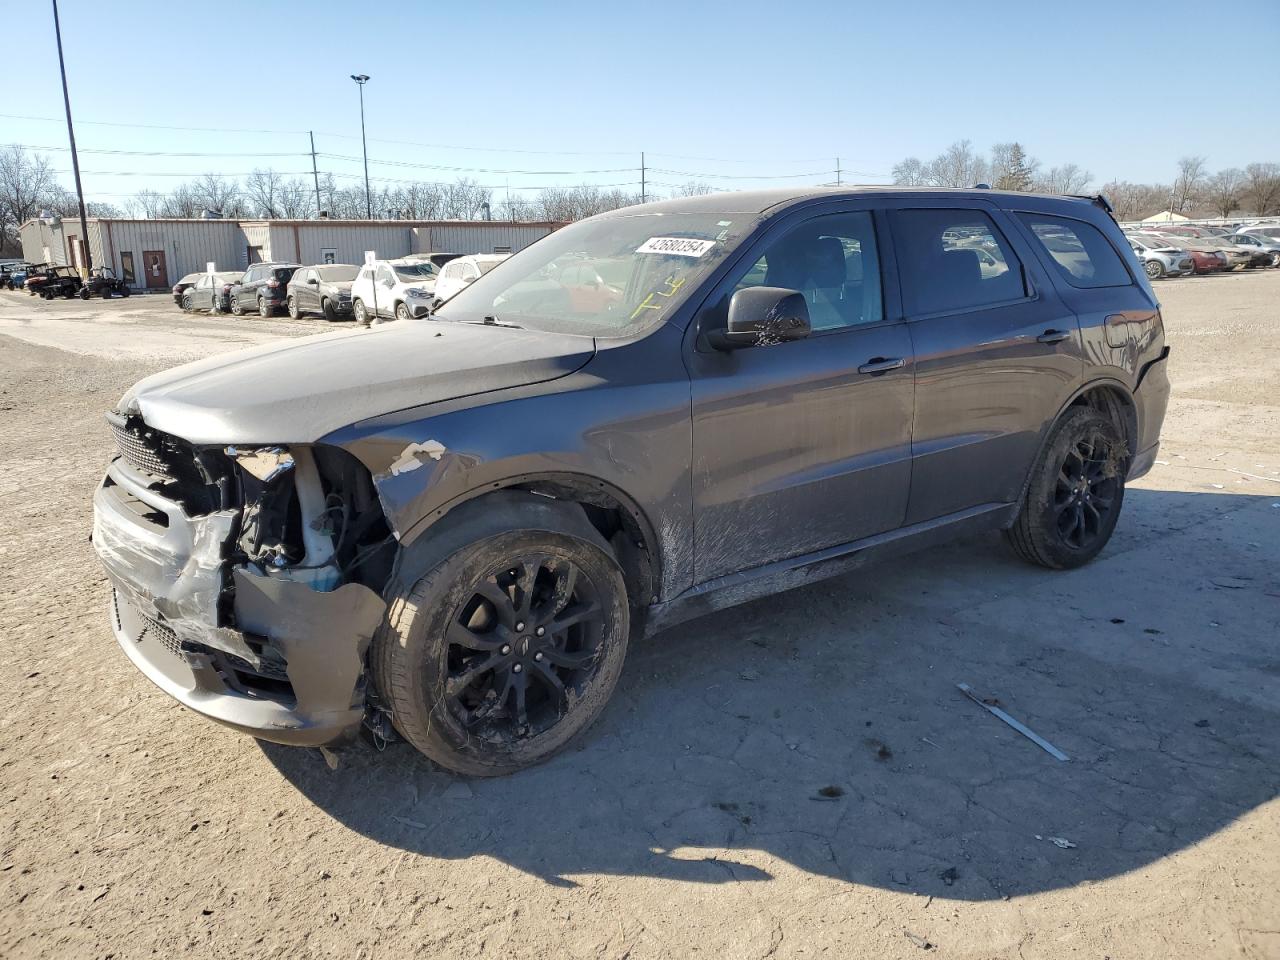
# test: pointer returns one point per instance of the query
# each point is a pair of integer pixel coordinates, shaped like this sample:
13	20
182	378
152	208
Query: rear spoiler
1098	200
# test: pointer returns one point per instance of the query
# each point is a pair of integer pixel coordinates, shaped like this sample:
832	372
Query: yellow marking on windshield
647	303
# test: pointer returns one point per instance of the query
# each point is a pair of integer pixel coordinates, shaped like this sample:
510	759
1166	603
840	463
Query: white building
154	254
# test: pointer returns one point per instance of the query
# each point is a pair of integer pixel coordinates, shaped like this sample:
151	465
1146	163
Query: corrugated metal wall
187	246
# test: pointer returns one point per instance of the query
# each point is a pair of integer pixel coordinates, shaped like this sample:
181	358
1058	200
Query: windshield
338	273
414	271
609	277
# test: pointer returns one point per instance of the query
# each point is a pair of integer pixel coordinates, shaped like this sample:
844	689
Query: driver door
803	445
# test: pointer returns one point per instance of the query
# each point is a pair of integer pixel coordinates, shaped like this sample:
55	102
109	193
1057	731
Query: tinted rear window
1081	253
954	260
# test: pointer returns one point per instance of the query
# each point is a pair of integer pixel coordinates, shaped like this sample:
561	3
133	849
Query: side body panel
986	387
621	422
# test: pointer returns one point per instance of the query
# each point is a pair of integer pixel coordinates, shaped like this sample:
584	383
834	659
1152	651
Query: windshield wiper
492	321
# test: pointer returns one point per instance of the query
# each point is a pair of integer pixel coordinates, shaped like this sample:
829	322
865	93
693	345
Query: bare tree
147	203
1067	179
1186	188
263	187
297	199
909	173
1261	191
1223	190
217	193
958	166
694	188
25	181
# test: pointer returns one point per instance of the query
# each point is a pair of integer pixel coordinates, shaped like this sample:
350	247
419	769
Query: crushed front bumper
290	669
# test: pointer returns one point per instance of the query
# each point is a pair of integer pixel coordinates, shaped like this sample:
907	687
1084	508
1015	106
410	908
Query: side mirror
388	283
314	282
761	317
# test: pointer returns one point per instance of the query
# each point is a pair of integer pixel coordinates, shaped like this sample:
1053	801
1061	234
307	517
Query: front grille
141	450
168	639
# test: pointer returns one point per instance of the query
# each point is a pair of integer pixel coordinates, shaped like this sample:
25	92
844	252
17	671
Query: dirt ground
694	819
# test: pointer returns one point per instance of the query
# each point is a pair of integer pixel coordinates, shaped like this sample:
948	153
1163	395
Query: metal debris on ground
920	942
1062	842
1027	732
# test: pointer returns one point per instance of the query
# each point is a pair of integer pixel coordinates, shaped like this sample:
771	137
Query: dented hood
298	390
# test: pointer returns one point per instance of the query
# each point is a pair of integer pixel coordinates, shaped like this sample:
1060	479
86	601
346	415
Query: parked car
398	289
262	288
435	259
1234	255
104	283
325	288
211	292
13	275
456	529
1160	257
1268	249
464	271
1262	231
183	285
1207	258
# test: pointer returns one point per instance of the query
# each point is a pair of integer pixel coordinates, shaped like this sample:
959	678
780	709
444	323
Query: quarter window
1080	252
953	260
833	261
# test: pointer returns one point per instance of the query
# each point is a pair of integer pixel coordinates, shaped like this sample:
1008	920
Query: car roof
762	201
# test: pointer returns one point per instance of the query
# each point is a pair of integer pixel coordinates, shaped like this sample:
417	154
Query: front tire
1155	269
505	651
402	312
359	311
327	308
1073	501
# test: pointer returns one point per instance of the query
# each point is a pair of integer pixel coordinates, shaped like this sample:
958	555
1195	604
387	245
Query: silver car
1260	243
1159	257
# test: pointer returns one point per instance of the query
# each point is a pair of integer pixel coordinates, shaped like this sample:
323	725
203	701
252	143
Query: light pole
87	265
361	79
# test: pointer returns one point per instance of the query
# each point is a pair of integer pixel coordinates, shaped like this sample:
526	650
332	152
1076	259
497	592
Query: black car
454	528
262	288
325	288
211	292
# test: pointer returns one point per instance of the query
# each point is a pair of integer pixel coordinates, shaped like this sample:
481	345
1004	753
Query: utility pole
75	159
314	172
838	183
642	184
361	79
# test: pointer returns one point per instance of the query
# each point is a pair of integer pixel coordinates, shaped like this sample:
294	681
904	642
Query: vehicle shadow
822	728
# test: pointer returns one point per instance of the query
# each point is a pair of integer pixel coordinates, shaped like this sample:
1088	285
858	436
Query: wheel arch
613	513
1106	395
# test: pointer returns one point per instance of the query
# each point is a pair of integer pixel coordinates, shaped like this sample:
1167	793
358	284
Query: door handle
882	365
1053	336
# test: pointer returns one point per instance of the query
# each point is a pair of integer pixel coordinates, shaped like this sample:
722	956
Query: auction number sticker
676	246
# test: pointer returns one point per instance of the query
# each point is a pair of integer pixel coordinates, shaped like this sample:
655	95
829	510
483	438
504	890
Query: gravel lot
690	822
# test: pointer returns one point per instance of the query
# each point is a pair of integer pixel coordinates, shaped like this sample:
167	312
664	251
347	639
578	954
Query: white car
398	289
463	271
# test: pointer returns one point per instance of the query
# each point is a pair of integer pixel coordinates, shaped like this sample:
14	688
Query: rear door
803	445
997	354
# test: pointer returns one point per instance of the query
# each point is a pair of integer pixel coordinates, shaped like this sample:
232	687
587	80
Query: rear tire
292	303
264	309
506	650
1073	501
236	309
84	293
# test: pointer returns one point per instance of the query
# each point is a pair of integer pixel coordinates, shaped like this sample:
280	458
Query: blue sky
526	94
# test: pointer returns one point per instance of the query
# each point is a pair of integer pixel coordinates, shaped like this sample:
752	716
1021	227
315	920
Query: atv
103	282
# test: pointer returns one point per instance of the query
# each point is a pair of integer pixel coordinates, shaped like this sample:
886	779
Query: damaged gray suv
453	527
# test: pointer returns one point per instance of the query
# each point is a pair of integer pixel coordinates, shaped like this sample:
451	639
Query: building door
153	265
